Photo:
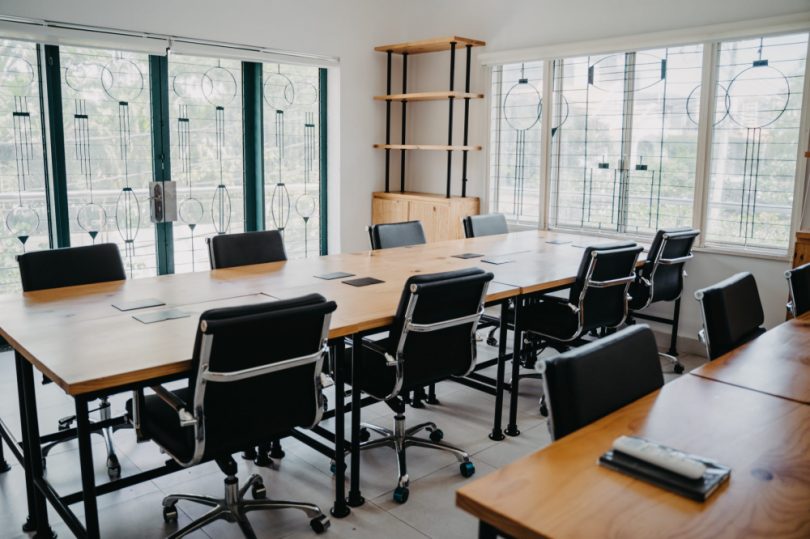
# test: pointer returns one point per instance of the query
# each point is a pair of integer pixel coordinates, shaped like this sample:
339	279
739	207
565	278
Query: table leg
87	468
37	506
340	509
512	428
486	531
355	497
497	433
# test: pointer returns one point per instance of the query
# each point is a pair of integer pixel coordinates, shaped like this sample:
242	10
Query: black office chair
388	235
73	266
597	300
255	377
484	225
799	290
661	279
231	250
432	339
591	381
732	314
244	249
476	226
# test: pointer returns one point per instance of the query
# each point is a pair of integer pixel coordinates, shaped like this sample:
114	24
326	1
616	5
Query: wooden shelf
429	45
428	96
432	147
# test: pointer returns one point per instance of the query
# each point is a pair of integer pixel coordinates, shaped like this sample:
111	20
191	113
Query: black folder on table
696	489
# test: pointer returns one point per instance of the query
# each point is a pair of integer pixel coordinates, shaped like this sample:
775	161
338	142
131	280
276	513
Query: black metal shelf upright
432	45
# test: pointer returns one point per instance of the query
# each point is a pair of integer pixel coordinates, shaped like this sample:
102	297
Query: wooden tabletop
777	362
561	492
80	341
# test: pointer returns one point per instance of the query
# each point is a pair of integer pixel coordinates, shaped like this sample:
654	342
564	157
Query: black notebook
363	281
467	255
695	489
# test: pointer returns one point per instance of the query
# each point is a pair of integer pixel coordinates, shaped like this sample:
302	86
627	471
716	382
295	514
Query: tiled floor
465	415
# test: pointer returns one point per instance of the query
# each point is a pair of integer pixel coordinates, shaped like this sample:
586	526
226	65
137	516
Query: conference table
776	363
90	349
748	410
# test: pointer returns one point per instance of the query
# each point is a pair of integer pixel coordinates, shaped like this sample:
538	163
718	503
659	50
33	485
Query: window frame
704	141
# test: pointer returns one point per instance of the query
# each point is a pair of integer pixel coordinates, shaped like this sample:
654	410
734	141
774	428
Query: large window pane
291	156
205	108
516	188
754	146
108	151
624	158
23	202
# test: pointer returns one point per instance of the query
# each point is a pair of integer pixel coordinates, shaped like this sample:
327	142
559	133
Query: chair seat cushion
550	317
160	423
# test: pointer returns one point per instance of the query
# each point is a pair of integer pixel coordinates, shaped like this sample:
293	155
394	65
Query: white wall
351	28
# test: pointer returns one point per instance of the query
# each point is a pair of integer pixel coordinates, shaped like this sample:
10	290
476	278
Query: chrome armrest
186	419
672	261
612	282
702	336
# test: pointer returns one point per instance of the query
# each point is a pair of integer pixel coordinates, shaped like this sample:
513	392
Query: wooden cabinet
801	254
440	216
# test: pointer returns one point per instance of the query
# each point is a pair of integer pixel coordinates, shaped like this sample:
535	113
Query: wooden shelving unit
451	95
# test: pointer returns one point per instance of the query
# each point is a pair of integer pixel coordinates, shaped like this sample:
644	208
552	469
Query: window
630	150
23	196
205	105
292	156
755	141
108	152
515	141
625	153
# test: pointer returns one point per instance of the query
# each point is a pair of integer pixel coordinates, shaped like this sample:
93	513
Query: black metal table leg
673	341
37	507
512	428
497	433
340	509
355	497
87	468
486	531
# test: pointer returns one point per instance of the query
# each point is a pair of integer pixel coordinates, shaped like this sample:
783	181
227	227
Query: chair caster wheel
258	491
113	467
319	524
170	514
467	469
365	435
492	341
436	436
249	454
401	494
333	467
678	368
544	410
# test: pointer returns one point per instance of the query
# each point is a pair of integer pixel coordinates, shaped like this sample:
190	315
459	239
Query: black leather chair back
607	306
799	285
484	225
436	355
669	244
230	250
71	266
593	380
732	313
388	235
257	409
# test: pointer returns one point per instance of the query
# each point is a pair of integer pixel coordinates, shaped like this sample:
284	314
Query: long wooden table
562	492
777	362
90	349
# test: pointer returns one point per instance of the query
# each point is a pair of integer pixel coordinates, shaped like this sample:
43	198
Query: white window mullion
705	129
545	142
800	193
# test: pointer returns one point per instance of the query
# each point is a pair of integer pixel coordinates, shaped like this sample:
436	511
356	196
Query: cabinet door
388	210
435	219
